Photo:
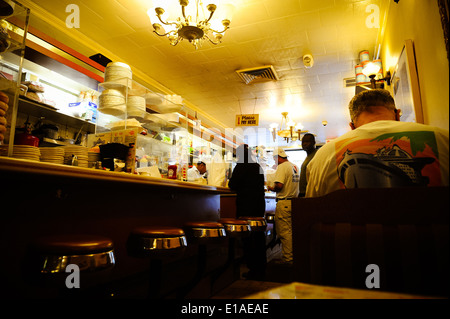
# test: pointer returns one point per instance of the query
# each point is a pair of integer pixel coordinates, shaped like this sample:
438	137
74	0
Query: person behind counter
286	186
309	146
196	172
247	180
380	151
3	108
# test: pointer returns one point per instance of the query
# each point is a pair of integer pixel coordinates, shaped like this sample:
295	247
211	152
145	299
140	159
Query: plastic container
364	56
360	78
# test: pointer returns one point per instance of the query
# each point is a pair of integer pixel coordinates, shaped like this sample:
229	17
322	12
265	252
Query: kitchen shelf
49	113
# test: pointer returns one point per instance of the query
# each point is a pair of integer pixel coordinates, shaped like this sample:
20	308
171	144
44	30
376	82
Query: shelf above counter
50	113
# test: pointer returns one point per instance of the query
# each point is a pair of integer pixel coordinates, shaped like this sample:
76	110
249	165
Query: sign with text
247	120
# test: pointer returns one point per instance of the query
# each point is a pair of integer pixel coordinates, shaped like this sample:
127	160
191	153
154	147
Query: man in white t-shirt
287	177
380	151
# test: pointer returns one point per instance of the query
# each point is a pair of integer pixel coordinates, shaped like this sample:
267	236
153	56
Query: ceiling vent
259	74
349	82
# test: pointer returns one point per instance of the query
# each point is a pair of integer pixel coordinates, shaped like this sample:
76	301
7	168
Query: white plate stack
52	154
136	106
80	152
93	158
27	152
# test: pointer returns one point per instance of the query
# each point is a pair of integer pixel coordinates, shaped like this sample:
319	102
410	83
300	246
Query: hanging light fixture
198	22
289	130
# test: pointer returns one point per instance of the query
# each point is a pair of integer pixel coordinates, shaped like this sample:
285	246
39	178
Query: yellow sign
247	120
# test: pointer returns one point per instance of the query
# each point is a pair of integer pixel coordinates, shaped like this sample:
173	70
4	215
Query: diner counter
40	199
8	164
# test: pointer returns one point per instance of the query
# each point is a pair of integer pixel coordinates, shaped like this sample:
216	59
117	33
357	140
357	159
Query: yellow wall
419	21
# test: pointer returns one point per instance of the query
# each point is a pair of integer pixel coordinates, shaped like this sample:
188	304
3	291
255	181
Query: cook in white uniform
196	173
286	186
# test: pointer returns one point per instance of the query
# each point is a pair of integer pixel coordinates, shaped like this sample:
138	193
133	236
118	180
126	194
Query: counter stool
157	244
48	258
256	223
270	219
255	248
236	230
201	233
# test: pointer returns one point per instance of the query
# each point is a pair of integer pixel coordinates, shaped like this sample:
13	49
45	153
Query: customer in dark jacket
247	180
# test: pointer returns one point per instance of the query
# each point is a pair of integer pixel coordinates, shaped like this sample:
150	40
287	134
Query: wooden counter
43	198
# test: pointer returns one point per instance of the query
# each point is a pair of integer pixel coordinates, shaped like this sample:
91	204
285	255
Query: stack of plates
93	158
136	106
52	154
27	152
80	152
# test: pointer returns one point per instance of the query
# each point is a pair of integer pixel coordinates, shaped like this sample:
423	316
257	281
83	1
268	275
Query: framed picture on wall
405	85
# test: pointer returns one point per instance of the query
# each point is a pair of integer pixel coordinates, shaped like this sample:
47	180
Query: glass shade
371	69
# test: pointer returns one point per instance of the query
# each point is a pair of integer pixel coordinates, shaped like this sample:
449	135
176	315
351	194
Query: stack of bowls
118	73
112	102
136	106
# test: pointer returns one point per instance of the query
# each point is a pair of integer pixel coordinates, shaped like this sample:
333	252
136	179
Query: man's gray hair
364	100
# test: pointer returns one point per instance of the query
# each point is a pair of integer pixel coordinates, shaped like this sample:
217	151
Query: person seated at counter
196	172
380	151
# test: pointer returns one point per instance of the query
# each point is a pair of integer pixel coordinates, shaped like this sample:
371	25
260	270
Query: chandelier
195	24
289	130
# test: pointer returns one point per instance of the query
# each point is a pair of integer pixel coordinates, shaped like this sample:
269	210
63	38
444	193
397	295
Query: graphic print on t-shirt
295	174
397	159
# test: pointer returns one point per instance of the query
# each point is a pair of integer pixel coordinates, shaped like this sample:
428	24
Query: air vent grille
259	74
349	82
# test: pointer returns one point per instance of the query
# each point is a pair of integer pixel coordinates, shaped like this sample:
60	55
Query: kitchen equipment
113	156
25	138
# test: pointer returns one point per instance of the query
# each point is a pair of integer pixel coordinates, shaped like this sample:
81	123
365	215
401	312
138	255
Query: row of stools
51	255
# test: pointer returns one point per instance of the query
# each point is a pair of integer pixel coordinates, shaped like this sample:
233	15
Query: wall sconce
371	69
